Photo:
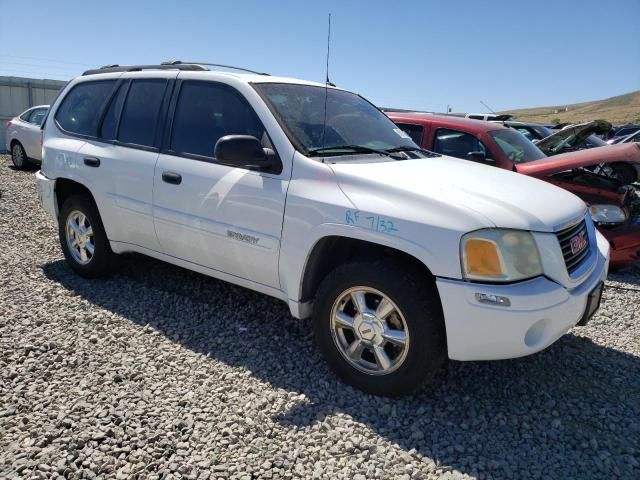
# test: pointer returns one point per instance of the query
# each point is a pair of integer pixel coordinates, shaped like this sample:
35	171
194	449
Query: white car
23	136
310	194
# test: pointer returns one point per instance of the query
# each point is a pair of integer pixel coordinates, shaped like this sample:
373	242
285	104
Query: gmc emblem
578	243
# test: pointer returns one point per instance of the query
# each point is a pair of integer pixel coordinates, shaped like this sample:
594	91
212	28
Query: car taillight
41	139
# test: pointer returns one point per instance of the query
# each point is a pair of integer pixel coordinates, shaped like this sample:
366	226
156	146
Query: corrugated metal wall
18	93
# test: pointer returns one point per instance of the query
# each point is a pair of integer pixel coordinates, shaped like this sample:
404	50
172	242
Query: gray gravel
158	372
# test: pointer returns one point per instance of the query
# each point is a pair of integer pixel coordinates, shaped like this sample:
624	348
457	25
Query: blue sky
408	54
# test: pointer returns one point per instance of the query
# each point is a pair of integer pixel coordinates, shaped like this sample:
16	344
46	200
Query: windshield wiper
352	149
408	148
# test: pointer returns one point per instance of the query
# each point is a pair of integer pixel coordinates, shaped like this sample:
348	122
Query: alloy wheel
80	239
369	330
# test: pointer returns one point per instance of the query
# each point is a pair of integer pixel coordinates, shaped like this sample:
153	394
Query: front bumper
541	311
46	194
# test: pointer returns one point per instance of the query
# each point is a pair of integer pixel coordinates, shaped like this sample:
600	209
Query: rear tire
19	156
83	239
394	341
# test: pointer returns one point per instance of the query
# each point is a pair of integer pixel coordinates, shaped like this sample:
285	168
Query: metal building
18	93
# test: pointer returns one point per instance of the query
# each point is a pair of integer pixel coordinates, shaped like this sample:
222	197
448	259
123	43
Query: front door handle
172	177
92	162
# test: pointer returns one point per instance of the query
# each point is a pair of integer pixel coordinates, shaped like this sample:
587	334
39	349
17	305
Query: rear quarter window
80	109
37	116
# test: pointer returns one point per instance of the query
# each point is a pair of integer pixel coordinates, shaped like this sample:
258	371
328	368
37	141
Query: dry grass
617	110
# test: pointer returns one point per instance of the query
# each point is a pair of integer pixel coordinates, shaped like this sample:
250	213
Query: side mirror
244	151
479	157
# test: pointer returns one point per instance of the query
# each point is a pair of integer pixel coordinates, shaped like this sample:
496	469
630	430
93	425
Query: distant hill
617	110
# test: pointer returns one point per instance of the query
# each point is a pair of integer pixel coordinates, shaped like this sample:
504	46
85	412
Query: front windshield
516	146
351	121
543	131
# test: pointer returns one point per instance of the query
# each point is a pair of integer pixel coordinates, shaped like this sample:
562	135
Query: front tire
82	237
380	327
19	156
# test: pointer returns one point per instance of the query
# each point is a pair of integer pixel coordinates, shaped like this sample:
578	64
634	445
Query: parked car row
402	254
620	133
614	204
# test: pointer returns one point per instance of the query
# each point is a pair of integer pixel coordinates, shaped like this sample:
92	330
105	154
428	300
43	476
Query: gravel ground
158	372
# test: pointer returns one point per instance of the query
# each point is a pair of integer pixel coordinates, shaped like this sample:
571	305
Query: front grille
573	261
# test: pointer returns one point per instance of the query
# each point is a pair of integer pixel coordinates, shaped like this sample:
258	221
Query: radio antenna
488	107
327	81
326	85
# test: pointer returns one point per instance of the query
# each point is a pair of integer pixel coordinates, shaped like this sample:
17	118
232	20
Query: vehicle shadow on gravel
554	414
629	274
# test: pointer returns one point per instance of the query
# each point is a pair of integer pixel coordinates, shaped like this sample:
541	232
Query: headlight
607	214
497	255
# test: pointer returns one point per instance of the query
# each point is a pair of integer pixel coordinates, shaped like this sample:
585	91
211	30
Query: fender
293	270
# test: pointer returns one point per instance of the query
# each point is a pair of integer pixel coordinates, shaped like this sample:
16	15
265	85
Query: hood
625	152
572	135
457	194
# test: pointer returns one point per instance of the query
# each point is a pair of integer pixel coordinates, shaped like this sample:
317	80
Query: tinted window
110	121
207	111
81	107
140	113
457	144
416	132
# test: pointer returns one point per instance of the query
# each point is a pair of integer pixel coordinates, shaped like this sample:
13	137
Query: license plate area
593	304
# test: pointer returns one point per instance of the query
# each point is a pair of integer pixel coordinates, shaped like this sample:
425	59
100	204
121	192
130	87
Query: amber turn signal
482	258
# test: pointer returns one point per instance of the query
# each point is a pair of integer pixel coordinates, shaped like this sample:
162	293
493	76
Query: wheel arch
332	250
65	188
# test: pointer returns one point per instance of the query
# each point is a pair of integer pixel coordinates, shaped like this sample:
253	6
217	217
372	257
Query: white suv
310	194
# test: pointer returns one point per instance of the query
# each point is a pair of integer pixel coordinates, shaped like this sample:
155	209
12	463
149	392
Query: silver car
23	136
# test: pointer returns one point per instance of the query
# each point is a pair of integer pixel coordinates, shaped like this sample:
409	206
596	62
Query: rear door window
81	108
416	132
457	144
207	111
141	111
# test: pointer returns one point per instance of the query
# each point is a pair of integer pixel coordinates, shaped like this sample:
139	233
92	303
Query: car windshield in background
594	141
516	146
353	124
543	131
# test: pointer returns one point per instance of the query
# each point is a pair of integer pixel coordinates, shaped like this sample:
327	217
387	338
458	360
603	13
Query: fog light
493	300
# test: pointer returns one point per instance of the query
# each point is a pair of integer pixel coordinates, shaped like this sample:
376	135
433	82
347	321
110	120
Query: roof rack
170	65
180	62
138	68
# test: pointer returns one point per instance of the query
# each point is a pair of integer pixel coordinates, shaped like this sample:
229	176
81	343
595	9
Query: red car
614	207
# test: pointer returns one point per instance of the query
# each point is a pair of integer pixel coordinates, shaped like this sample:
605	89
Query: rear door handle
172	177
92	162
